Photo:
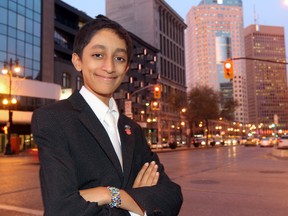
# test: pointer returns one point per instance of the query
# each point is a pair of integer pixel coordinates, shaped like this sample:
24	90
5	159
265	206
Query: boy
87	167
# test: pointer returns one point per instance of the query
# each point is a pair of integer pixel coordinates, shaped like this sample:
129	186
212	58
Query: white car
266	142
283	142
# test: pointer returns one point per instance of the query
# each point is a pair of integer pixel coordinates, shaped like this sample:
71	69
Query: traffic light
228	69
157	91
155	105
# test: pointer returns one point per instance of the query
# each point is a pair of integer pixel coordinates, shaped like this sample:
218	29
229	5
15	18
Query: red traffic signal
157	91
228	69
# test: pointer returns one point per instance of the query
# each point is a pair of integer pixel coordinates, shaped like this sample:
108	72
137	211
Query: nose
108	65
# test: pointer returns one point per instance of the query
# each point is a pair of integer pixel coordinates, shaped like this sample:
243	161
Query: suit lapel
127	145
94	126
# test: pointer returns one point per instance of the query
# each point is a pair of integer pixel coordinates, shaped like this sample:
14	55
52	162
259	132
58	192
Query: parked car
283	142
266	142
197	142
156	146
251	142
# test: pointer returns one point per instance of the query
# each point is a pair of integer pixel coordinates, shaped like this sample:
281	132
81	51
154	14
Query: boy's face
103	64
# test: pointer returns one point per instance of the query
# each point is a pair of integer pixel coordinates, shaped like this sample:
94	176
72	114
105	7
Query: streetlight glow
10	100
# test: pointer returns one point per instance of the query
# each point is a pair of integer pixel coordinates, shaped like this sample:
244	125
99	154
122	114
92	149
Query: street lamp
7	69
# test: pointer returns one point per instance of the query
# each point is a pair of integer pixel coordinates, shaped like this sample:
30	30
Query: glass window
20	35
29	26
11	32
37	29
79	82
12	19
36	41
20	22
66	80
3	29
29	4
12	6
3	3
21	10
36	53
36	74
37	17
28	63
3	16
29	38
3	44
20	48
3	55
37	6
36	65
28	51
29	13
11	45
28	72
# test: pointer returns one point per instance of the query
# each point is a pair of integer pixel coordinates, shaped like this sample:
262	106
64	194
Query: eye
120	59
97	55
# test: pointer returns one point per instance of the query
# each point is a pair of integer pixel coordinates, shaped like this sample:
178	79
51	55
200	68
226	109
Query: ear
76	60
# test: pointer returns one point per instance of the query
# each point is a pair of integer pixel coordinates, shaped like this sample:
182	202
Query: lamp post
8	66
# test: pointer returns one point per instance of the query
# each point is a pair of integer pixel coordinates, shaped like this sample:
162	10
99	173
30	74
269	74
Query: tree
228	108
177	100
203	105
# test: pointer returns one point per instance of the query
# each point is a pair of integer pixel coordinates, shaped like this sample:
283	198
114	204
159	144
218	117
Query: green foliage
203	104
228	108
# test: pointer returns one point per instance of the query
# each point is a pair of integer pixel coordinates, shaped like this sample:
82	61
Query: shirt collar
99	108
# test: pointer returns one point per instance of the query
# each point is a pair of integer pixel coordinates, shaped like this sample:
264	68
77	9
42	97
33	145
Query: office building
158	24
39	35
214	34
266	80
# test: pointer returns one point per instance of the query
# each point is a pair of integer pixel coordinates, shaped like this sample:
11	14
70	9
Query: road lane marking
20	209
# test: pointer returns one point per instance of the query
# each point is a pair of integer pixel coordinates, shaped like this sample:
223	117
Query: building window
79	82
66	80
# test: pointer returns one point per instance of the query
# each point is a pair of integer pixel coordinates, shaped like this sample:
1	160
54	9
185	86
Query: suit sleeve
58	176
163	199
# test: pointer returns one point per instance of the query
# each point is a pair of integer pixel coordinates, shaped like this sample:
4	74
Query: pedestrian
88	166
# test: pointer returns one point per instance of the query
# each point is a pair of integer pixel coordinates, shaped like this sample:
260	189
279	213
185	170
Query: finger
140	175
148	174
152	175
155	179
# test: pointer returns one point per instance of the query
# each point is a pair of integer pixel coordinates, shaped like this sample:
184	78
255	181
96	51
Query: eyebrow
103	47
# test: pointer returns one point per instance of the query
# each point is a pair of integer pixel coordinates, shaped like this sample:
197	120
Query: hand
101	195
147	176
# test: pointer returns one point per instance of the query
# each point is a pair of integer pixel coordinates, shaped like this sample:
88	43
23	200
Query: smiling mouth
105	77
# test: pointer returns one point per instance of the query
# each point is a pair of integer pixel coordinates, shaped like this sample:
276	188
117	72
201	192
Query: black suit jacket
76	153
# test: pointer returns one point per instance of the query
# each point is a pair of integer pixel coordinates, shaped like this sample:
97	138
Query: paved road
230	181
226	181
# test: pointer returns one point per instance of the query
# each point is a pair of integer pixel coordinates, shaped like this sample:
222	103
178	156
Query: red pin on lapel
128	130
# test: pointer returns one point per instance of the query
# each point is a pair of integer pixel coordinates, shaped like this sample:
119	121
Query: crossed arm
147	176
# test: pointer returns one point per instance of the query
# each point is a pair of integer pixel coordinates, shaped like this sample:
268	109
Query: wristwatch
115	197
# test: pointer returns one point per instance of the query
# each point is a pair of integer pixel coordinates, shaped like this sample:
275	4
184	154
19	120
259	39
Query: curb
282	153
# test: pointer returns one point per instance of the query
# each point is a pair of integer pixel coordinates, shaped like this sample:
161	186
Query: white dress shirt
100	109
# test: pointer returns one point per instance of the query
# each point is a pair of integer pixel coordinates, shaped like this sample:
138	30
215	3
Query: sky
267	12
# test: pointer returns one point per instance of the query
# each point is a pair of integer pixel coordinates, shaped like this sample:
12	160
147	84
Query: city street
230	181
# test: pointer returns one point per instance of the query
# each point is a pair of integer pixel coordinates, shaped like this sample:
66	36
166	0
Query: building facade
214	34
267	81
40	35
21	43
158	24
